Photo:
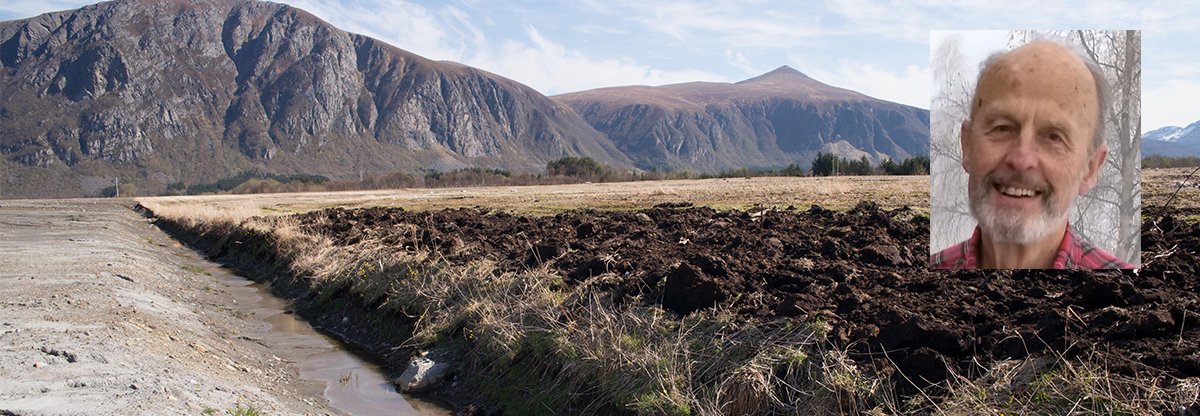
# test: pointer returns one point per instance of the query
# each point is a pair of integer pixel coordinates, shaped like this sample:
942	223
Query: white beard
1011	227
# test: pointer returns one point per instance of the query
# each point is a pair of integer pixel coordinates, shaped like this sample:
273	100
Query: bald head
1052	71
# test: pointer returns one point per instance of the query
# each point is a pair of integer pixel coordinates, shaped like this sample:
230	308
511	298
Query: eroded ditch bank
351	384
282	298
699	311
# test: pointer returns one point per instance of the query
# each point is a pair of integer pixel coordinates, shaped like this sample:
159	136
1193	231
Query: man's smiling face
1028	145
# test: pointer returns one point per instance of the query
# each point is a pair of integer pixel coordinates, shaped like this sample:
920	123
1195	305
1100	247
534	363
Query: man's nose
1021	154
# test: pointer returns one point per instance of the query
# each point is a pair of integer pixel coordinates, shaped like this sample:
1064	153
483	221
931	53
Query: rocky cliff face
775	119
165	91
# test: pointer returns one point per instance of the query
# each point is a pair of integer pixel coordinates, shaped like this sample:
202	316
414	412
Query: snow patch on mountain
1173	134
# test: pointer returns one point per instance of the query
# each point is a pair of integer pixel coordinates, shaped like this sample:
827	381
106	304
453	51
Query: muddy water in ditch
352	384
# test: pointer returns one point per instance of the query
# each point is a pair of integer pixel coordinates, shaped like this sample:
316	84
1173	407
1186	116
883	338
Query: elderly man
1031	144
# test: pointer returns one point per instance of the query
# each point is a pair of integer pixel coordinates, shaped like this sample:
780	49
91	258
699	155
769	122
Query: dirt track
101	313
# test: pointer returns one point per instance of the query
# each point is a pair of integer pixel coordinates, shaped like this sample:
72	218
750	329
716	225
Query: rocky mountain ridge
1189	135
1172	141
777	118
159	92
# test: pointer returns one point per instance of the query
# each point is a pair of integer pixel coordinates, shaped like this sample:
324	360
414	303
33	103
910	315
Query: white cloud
467	34
740	24
854	44
452	33
1170	104
912	20
405	25
551	68
911	87
24	9
738	60
892	19
597	29
1181	69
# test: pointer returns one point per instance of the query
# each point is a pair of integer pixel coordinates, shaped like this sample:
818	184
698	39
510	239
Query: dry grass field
748	308
837	193
1159	184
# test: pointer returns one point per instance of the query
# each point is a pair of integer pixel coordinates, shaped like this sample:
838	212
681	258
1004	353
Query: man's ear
963	132
1095	161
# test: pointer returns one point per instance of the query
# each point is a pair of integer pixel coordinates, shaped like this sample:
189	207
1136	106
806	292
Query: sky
879	48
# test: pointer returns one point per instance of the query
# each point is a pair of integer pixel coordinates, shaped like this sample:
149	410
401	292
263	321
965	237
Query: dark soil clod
864	269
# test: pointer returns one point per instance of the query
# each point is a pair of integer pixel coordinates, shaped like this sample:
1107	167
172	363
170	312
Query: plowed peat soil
862	271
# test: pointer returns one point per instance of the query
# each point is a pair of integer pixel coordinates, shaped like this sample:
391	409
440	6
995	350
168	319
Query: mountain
1189	135
157	92
775	119
1167	134
1172	141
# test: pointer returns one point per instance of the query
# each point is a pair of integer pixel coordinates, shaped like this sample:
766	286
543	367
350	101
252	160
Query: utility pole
117	185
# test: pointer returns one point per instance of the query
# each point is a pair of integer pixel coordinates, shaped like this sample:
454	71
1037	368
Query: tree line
1158	161
825	164
829	164
570	169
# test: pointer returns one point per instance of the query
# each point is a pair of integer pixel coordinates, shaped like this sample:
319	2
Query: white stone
421	373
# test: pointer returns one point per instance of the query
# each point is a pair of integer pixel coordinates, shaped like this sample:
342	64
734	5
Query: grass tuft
238	410
535	345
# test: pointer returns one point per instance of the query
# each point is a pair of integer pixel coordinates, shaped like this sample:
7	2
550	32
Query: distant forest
560	171
1157	161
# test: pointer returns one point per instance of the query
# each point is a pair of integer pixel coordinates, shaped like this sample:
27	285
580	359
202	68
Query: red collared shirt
1073	253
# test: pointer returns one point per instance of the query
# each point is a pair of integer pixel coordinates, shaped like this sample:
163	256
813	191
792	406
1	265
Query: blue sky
880	48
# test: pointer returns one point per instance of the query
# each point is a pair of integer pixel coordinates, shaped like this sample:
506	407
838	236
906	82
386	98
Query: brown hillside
158	92
777	118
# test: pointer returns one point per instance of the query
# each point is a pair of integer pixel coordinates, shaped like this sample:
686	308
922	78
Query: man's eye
1002	128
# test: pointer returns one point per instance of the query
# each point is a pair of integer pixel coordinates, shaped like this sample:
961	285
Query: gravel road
102	313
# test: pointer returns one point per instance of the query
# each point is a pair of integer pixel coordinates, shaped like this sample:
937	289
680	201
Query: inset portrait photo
1034	152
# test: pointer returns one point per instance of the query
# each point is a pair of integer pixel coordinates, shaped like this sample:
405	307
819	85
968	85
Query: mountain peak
1189	135
782	74
1165	134
265	86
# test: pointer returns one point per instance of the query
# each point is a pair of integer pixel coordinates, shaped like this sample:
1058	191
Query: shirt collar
1068	251
970	250
1067	256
